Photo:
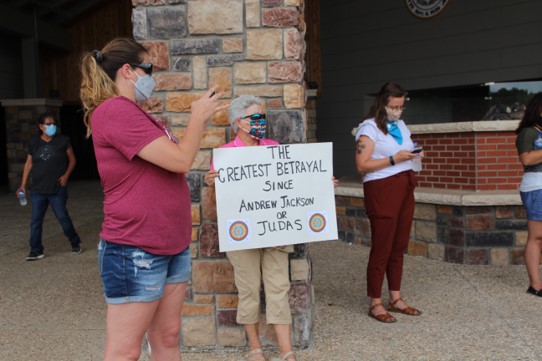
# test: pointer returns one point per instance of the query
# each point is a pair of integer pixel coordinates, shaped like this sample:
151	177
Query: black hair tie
98	56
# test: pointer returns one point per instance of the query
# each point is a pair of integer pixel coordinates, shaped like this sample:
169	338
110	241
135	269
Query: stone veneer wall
21	125
246	47
466	234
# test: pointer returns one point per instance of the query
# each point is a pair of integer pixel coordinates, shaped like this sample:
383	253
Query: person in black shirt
51	160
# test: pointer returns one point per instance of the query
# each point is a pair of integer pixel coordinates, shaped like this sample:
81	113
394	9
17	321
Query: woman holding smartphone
385	154
144	248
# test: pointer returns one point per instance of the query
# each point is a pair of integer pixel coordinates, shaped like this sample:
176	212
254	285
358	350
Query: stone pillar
21	124
245	47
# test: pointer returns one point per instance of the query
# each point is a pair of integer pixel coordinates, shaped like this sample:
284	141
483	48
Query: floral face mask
257	125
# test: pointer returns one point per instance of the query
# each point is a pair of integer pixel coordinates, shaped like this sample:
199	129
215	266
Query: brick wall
498	166
476	160
449	161
251	47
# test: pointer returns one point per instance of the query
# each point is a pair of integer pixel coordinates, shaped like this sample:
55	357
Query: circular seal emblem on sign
238	231
317	222
426	8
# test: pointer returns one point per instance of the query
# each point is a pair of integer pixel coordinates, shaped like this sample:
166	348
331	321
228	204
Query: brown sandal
411	311
383	317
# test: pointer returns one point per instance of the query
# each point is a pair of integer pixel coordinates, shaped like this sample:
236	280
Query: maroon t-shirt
144	205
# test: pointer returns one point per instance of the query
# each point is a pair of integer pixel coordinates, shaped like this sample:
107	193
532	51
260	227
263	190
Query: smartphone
416	150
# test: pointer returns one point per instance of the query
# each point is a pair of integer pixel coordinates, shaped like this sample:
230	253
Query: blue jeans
130	274
58	204
532	201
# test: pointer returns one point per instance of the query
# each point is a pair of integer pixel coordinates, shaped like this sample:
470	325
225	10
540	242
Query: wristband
392	162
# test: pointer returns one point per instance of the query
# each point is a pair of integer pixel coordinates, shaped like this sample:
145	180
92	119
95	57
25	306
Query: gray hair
238	107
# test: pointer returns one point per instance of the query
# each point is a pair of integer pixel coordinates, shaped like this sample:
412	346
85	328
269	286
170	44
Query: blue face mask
50	130
143	87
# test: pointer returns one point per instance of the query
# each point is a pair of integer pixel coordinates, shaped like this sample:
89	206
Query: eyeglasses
395	107
147	67
256	119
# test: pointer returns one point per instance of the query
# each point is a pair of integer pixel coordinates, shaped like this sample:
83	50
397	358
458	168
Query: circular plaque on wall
426	9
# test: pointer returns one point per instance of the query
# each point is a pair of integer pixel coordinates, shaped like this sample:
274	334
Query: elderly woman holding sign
253	266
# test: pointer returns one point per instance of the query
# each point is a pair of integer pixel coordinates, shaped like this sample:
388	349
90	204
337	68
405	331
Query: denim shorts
532	201
129	274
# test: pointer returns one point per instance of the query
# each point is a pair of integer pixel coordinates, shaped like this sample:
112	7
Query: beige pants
253	266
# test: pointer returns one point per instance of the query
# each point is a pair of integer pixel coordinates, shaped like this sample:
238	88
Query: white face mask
143	87
394	114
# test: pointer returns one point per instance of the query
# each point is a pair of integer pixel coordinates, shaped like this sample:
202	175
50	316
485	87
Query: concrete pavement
53	309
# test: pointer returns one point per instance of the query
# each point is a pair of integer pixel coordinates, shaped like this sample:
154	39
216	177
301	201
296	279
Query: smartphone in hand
416	150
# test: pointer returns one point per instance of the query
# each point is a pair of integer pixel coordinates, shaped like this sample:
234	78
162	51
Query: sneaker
77	249
32	256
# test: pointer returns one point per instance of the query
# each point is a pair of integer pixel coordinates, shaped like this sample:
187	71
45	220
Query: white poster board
274	195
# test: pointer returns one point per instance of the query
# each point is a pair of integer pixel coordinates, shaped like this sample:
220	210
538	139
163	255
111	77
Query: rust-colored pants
389	203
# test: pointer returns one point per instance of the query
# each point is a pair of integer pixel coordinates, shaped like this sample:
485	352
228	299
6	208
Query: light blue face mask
144	87
50	130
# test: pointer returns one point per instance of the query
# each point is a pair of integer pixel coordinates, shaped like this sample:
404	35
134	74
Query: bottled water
22	198
417	162
538	142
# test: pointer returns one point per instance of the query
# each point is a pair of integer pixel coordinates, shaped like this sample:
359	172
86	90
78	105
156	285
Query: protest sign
274	195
